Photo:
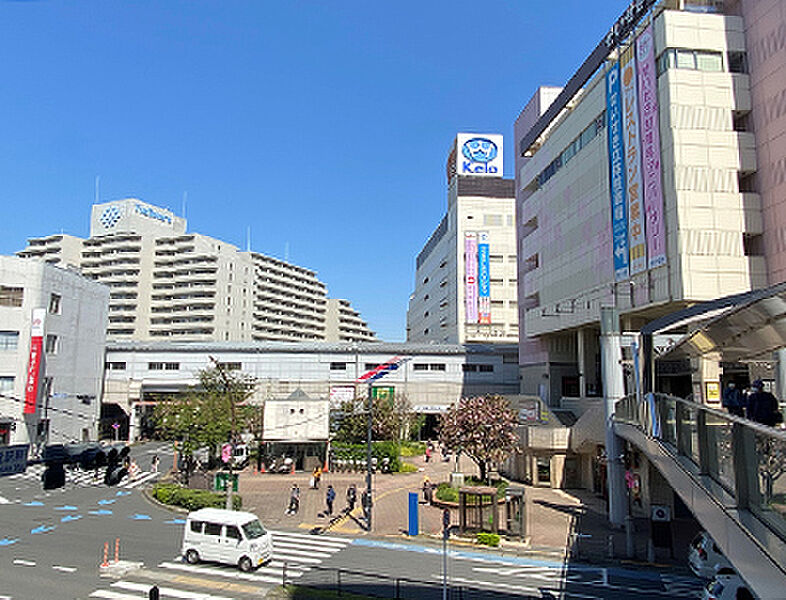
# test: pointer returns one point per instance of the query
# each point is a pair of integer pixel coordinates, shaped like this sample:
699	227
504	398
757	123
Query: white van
226	536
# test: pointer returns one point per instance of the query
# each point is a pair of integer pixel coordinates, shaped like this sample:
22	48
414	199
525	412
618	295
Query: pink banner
471	276
650	148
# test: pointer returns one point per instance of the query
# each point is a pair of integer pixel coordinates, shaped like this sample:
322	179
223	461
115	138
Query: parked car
727	585
705	558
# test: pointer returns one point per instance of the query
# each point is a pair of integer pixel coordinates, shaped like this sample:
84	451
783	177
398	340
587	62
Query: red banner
33	369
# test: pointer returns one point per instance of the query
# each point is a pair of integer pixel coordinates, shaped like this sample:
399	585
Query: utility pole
369	423
233	432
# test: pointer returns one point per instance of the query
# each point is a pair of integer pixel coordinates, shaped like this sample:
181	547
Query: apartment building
167	283
52	342
639	187
466	275
343	323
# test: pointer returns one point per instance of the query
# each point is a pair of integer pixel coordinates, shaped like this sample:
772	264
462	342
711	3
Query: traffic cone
325	468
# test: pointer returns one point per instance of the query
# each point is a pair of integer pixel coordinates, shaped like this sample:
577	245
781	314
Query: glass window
155	366
9	340
738	62
709	61
6	383
338	366
437	367
469	368
486	368
11	296
54	304
196	526
686	59
419	367
172	366
233	532
51	344
253	529
212	528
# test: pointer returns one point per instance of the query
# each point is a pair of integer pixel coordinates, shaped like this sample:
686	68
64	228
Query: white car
705	558
727	585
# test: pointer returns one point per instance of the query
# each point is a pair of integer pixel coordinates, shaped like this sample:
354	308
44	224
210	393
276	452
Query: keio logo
478	150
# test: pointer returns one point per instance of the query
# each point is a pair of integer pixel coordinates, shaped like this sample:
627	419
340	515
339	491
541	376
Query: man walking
294	500
733	400
330	497
763	406
352	496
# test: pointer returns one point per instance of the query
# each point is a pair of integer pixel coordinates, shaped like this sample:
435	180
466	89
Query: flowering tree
483	427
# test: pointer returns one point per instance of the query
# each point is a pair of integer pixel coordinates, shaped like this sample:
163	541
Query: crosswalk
293	555
78	477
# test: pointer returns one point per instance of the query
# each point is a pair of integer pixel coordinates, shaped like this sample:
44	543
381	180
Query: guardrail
745	459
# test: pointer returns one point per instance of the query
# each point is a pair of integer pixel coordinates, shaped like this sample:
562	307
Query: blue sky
323	126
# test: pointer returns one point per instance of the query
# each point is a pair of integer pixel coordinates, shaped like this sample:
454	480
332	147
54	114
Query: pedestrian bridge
731	473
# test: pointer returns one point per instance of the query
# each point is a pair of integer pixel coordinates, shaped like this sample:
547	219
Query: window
172	366
370	366
54	304
469	368
212	529
686	59
6	384
486	368
230	366
196	526
419	367
9	340
437	367
338	366
11	296
51	344
711	62
233	532
155	366
116	366
738	61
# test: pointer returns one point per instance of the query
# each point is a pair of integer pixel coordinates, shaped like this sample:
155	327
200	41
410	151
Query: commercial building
169	284
465	276
654	180
52	341
139	374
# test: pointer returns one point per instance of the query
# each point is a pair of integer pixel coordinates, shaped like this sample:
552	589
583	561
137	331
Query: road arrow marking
121	493
175	522
101	511
8	541
33	503
43	529
102	502
66	507
68	518
138	517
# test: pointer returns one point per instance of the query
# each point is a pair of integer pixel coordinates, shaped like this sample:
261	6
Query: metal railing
377	585
747	460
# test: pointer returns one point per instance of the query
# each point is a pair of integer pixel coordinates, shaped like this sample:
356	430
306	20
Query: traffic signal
116	460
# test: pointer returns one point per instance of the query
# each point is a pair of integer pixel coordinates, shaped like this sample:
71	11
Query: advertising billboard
484	279
471	276
479	154
34	361
630	102
341	394
650	148
619	212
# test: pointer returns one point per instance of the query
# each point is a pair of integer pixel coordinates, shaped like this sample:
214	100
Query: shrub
357	452
488	539
176	495
446	493
406	467
413	448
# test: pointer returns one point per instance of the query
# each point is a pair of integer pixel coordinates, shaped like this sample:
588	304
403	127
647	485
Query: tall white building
465	277
52	342
169	284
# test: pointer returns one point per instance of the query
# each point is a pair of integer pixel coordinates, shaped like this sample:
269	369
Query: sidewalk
556	516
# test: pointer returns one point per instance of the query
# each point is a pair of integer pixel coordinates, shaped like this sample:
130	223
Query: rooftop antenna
248	238
98	182
185	200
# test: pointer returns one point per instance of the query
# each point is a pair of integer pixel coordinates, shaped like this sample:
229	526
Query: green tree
202	416
482	427
392	419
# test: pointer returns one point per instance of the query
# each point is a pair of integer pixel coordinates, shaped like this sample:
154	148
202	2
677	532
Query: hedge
380	450
177	495
488	539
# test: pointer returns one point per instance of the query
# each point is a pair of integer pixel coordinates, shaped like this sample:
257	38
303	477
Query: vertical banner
650	148
630	103
484	276
619	217
471	276
34	362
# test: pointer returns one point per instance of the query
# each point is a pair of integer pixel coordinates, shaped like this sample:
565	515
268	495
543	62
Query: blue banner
619	212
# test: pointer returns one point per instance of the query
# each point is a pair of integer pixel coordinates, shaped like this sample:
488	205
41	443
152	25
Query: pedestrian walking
427	490
154	463
330	497
315	477
294	500
352	496
428	452
365	500
763	406
733	400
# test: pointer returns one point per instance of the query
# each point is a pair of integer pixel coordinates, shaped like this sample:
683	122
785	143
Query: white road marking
288	555
64	569
110	595
296	549
166	591
274	577
313	538
24	563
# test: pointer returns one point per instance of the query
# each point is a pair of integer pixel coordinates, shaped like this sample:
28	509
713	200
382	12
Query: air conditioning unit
660	512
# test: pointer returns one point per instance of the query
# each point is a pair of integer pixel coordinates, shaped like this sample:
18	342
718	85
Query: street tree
202	416
482	427
392	419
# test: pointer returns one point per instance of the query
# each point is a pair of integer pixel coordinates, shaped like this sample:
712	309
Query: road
52	545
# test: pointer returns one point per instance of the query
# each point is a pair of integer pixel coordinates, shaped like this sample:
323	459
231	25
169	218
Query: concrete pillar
613	390
706	379
582	362
780	373
557	471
